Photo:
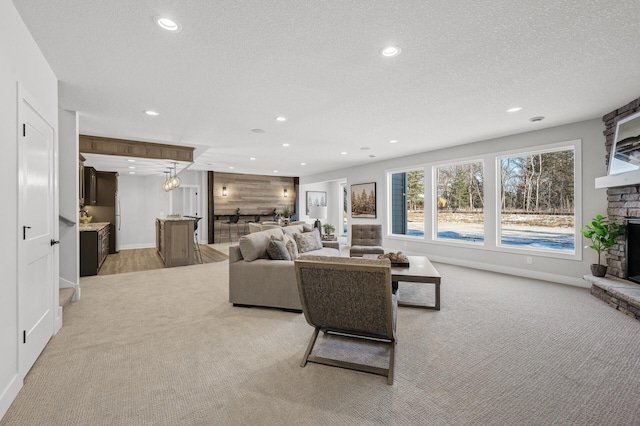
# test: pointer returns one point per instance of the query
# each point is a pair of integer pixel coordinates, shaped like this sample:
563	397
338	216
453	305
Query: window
459	202
407	203
534	197
537	200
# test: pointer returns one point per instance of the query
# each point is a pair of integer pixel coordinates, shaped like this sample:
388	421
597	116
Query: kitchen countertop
93	226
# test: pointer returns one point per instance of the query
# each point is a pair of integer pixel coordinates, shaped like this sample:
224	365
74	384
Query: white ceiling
238	64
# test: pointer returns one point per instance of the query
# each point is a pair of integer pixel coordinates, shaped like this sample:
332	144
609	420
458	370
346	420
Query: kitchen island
94	246
175	241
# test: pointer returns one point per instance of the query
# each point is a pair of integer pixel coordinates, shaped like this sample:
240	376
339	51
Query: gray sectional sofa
256	280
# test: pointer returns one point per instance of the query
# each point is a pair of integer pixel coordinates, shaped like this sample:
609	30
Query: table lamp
318	212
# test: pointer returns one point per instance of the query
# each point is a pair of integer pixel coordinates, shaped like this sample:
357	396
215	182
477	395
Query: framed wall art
363	200
316	198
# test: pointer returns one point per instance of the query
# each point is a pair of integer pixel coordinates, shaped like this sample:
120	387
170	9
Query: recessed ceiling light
231	167
152	113
168	24
536	119
514	109
303	164
131	160
390	51
393	141
258	131
281	118
252	158
132	167
344	153
285	144
132	173
275	171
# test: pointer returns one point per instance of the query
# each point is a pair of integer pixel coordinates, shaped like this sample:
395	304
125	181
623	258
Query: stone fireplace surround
623	204
623	201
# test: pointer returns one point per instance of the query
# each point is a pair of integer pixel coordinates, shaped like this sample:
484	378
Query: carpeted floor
146	259
165	347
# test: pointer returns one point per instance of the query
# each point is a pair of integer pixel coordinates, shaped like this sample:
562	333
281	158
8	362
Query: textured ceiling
238	64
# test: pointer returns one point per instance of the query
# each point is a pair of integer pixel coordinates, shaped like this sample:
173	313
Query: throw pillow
277	250
254	246
307	228
292	247
308	241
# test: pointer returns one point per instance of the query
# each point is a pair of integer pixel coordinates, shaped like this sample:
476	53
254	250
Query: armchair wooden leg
310	347
391	362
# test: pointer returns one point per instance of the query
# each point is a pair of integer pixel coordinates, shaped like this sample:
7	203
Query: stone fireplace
623	208
623	201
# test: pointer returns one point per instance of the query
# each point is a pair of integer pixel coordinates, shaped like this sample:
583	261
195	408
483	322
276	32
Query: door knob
54	242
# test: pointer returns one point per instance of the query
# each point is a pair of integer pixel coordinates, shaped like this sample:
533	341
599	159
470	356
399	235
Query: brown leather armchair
366	239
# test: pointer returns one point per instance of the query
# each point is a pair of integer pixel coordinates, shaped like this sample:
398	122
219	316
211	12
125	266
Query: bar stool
256	219
196	246
233	220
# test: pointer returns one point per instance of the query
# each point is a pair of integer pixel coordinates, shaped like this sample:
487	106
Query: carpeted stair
66	294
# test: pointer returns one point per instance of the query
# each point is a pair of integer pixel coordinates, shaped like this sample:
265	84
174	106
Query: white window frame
492	201
576	145
388	206
434	207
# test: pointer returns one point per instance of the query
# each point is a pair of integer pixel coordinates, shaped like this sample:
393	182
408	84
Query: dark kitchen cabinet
90	187
106	188
94	248
81	179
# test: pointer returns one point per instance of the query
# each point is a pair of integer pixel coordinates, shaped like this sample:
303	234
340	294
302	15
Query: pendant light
175	180
165	185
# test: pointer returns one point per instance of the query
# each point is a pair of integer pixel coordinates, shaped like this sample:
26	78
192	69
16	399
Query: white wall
334	202
20	61
560	270
142	200
69	194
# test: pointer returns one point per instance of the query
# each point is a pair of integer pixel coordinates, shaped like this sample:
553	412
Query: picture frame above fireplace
625	155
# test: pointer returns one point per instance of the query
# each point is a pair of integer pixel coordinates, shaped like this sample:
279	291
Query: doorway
344	194
185	201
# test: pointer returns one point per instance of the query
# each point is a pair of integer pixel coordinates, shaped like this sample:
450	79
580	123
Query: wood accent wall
128	148
252	194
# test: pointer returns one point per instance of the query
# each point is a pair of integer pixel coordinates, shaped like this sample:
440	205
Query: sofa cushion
292	229
308	241
307	227
291	245
277	250
254	227
254	246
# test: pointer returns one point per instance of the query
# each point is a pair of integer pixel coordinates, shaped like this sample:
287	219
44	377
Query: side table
331	244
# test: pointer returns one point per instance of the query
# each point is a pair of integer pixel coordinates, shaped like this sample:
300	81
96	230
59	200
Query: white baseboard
58	324
544	276
9	394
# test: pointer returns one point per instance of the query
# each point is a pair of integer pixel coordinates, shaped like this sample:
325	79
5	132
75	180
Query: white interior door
36	272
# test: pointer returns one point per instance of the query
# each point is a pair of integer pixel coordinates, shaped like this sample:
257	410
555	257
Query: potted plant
286	212
328	228
603	235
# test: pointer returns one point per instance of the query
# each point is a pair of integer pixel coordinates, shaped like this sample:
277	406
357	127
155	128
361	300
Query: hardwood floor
136	260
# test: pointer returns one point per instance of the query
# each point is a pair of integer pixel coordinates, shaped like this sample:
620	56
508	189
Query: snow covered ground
541	232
